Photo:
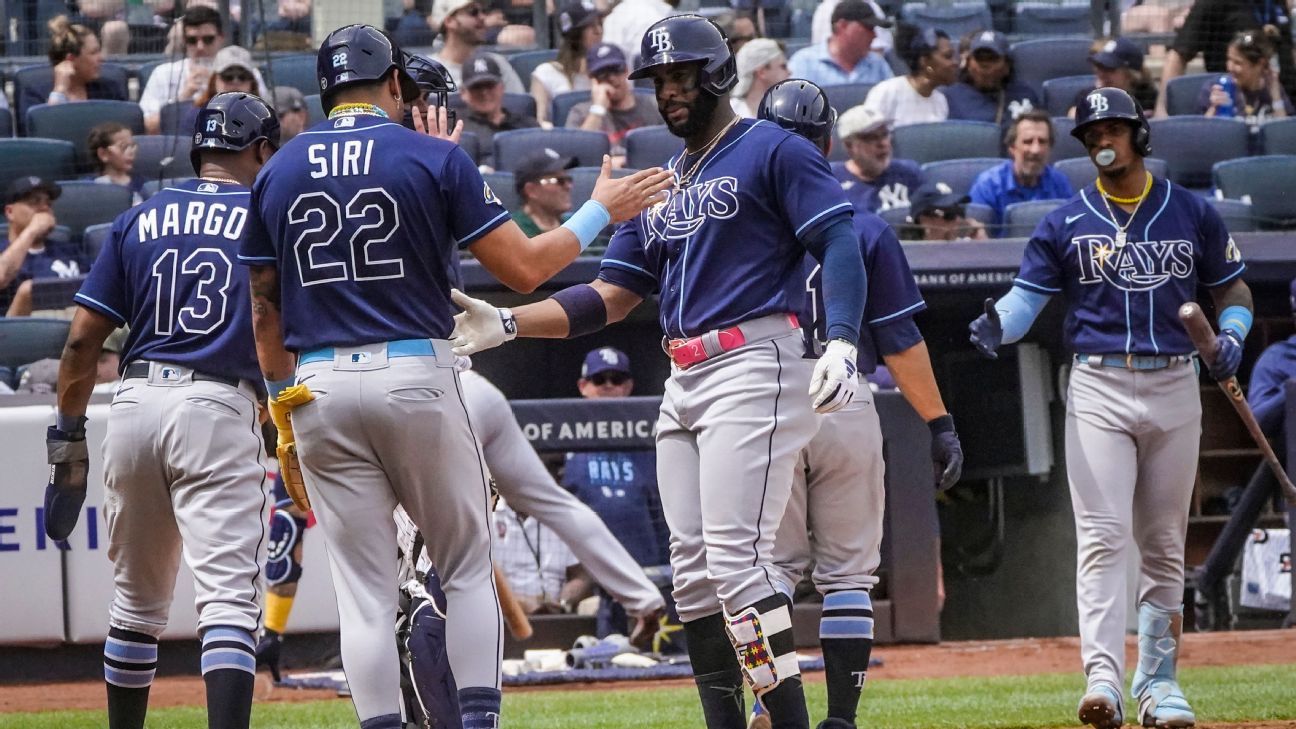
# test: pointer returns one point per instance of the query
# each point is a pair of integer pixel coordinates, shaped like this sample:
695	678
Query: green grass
1235	694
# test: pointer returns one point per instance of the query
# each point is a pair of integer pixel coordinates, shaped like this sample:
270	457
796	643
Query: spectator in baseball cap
545	188
846	56
938	213
986	90
761	64
290	106
1118	63
605	373
34	250
614	108
581	27
872	178
482	90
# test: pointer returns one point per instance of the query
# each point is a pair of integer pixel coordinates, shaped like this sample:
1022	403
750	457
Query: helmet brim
668	58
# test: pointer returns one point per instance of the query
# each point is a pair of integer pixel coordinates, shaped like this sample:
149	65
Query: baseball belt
1133	361
140	369
688	352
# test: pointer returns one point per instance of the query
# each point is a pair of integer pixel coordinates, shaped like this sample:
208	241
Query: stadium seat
587	147
73	122
471	145
152	186
1040	59
24	340
84	203
162	156
1191	145
1060	93
959	174
1266	182
983	214
1047	18
956	19
651	146
1065	146
953	139
846	96
146	70
583	179
1182	92
1021	218
41	76
501	183
1237	215
93	239
314	110
1081	171
516	104
172	117
52	159
526	62
1278	136
296	70
561	105
6	123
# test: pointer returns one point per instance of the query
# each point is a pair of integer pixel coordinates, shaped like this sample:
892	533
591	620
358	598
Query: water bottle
1229	85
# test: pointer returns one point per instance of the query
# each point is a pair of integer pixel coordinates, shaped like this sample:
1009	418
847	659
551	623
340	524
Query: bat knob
1189	310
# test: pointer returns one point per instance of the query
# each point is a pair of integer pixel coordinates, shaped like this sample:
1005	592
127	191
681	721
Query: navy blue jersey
1266	393
1124	299
168	270
56	259
621	487
363	217
892	301
727	248
890	190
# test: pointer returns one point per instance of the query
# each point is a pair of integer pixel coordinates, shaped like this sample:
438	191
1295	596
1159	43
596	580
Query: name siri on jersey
1135	266
340	159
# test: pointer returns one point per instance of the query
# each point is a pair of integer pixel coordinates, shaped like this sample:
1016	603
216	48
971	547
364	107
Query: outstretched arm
574	311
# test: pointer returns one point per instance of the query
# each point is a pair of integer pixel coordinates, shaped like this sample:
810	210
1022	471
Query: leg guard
286	533
1161	702
762	636
435	697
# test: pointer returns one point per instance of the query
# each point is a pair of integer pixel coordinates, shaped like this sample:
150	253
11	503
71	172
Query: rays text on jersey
686	210
1135	266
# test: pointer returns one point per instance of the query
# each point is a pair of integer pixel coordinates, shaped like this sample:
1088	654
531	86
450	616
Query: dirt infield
991	658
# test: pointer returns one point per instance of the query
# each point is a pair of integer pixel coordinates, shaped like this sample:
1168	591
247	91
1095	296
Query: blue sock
846	637
130	662
480	707
229	671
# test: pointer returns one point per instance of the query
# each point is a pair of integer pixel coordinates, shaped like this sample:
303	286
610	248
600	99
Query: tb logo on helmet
660	40
1097	103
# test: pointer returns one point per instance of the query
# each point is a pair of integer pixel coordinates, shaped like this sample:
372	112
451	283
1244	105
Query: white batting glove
480	326
833	384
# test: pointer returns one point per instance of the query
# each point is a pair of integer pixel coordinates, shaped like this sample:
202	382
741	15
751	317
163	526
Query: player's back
169	271
362	217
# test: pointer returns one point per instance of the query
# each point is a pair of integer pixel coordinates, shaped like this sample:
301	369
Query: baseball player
182	457
725	253
353	238
1124	254
834	517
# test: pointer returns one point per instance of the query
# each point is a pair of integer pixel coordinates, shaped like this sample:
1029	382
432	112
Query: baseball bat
514	616
1203	337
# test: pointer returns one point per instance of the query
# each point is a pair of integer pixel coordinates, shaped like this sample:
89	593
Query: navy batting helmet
233	121
799	106
1114	103
357	54
689	39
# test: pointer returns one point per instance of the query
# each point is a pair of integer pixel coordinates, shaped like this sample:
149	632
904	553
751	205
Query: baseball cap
576	15
604	57
481	69
935	198
232	57
860	11
990	40
540	163
288	98
751	57
605	359
24	186
1119	53
442	9
858	120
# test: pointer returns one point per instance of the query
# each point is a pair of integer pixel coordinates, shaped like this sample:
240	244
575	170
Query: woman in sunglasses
1250	90
233	70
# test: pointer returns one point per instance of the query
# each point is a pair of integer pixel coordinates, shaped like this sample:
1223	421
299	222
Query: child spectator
113	148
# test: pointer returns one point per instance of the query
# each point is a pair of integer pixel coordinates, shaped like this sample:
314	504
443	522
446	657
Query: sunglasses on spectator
472	10
193	40
235	77
609	378
555	180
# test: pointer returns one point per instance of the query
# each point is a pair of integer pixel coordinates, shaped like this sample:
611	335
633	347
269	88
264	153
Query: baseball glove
281	413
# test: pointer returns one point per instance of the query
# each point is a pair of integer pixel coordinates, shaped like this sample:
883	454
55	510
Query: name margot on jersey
199	217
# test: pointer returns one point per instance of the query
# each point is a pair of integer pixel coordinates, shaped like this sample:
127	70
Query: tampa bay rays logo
1097	102
686	210
1135	266
660	40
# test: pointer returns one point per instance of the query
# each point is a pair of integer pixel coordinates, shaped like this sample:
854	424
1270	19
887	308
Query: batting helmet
689	39
358	54
799	106
233	121
1114	103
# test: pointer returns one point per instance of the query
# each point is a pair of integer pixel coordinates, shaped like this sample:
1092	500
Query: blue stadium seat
1182	92
502	184
1081	171
297	71
84	203
983	214
1278	136
6	123
314	110
516	104
1237	215
1065	146
24	340
561	105
52	159
959	174
1047	18
73	122
1266	182
471	145
1060	93
526	62
587	147
956	19
1021	218
846	96
1040	59
93	239
1191	145
583	179
953	139
651	146
162	156
40	78
172	118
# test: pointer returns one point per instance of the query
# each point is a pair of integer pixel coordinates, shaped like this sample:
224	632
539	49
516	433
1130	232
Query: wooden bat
514	616
1203	337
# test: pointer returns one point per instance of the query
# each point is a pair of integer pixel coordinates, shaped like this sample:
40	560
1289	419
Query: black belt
141	369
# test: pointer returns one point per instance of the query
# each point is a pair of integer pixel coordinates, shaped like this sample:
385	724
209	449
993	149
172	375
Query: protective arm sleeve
845	281
1018	310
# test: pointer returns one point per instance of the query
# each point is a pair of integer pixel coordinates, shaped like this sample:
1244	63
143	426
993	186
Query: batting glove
987	331
480	326
1228	356
833	384
69	459
946	451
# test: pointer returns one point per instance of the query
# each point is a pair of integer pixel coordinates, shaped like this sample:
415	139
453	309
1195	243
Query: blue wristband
69	423
275	388
1236	319
588	222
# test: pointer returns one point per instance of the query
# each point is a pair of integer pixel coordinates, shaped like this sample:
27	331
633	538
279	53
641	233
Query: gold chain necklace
354	109
687	176
1137	202
209	178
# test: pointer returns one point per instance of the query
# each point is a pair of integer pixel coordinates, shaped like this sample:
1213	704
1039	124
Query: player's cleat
268	652
759	719
645	629
1101	707
833	722
1161	702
